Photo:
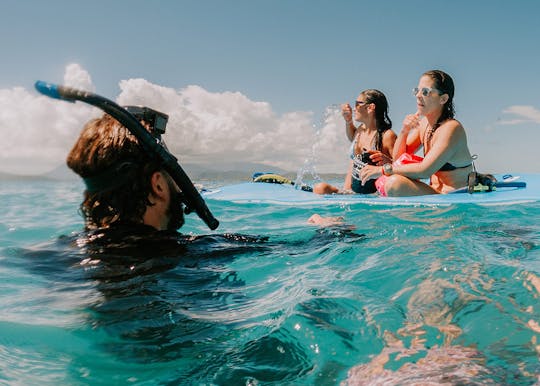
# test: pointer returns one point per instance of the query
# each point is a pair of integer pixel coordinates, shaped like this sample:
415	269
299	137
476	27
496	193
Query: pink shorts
403	159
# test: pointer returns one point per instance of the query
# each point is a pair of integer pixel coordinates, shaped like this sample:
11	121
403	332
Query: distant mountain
228	167
227	171
62	173
21	177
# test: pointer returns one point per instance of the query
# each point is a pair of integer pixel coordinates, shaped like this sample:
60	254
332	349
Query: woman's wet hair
103	145
444	83
381	113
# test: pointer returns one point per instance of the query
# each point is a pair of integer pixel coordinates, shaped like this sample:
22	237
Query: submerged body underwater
443	294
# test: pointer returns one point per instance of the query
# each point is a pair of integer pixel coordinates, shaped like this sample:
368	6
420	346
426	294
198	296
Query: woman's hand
346	111
411	121
317	219
379	158
370	172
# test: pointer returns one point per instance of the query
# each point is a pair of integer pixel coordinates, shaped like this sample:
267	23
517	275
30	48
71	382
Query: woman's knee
397	185
323	188
320	188
394	184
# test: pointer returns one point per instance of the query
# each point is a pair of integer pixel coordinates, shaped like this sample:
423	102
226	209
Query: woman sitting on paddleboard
372	141
447	160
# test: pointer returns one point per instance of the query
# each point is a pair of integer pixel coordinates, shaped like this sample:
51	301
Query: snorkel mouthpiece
191	197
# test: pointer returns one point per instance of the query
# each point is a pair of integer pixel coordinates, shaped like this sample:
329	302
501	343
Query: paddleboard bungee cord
191	197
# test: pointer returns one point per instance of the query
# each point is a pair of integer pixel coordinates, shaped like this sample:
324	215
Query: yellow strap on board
273	179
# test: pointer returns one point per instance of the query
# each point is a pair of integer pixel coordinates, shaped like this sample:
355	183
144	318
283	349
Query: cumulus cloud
77	77
206	128
37	132
522	114
215	128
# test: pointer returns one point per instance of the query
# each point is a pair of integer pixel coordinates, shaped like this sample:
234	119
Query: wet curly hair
103	144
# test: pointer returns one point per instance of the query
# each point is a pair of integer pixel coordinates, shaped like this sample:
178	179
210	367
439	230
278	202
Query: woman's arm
389	141
446	140
347	185
408	140
384	156
350	129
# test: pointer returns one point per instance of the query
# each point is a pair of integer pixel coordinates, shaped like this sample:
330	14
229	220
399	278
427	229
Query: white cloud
78	77
216	128
204	127
37	132
524	114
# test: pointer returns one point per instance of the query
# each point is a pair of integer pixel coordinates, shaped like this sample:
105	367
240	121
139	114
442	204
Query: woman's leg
324	188
397	186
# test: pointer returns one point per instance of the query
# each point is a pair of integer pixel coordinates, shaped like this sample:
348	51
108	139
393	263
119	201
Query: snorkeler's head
117	172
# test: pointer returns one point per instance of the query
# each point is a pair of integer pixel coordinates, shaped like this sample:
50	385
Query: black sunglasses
361	103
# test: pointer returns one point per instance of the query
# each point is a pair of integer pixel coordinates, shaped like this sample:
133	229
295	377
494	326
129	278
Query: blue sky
295	57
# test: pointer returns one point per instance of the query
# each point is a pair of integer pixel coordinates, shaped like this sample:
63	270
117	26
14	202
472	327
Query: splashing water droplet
309	166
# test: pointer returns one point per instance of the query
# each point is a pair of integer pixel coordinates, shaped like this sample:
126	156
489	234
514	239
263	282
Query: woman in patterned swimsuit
373	137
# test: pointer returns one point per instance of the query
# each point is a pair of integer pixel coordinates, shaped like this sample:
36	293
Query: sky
250	82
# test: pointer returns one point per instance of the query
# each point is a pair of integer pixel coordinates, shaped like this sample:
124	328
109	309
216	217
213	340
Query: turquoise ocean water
395	296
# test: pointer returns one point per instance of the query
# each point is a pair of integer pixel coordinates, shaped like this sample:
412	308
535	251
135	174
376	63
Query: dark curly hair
103	145
445	84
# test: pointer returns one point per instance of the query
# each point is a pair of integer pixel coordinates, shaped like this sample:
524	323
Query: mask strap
113	177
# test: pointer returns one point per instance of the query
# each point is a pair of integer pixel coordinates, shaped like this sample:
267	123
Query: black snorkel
191	197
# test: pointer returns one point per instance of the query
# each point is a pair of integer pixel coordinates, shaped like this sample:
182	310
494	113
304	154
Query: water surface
395	295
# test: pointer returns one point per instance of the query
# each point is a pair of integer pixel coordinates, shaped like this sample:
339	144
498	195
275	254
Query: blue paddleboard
519	188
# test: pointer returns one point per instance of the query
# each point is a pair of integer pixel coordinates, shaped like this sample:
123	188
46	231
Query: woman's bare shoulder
450	128
389	134
452	124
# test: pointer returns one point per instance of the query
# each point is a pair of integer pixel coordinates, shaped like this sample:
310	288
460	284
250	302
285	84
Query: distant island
205	174
61	173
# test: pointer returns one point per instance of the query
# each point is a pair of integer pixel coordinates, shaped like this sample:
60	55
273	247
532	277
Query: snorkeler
123	183
135	188
130	175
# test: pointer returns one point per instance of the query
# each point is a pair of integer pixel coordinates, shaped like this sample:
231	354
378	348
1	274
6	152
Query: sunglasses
425	91
360	103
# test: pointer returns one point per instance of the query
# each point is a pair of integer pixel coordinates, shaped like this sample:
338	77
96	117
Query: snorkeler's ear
159	185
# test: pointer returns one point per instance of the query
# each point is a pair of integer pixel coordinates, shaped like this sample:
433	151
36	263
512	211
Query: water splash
309	167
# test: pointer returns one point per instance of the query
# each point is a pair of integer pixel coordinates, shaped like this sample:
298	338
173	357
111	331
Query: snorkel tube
191	197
